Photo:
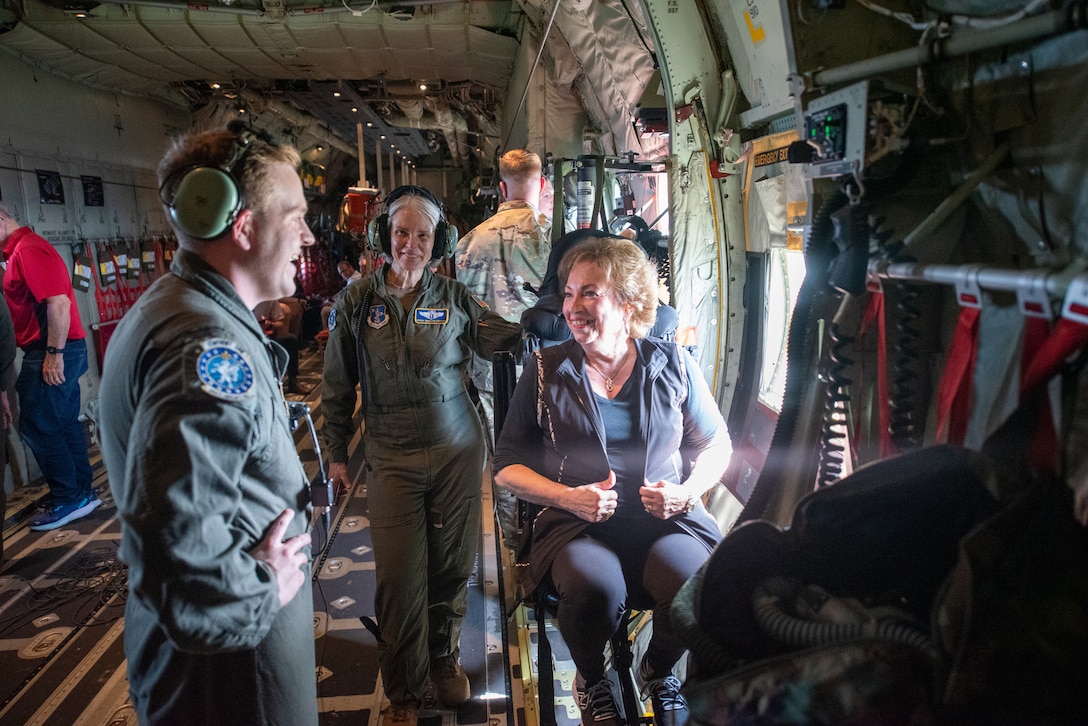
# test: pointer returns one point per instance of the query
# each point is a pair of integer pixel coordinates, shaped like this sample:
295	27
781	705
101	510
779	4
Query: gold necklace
609	382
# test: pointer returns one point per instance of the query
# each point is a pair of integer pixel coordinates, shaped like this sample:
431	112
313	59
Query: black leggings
592	573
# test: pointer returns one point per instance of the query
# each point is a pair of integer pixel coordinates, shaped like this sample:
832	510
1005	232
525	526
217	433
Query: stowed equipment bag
940	586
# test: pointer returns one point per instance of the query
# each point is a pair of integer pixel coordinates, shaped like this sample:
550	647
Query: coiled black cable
800	347
835	430
904	429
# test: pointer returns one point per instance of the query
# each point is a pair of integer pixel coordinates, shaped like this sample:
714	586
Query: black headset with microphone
445	234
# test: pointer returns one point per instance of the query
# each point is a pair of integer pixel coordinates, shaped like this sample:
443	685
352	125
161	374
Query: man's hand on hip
284	557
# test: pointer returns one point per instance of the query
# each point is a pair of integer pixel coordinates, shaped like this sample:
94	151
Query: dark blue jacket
554	428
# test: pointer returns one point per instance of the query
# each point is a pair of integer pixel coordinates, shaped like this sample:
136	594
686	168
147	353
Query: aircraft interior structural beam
958	196
957	44
1031	286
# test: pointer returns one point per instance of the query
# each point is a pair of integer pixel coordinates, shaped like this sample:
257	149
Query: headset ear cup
205	202
378	235
440	240
445	240
451	237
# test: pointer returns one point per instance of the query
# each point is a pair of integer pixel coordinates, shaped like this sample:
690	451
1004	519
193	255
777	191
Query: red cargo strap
1036	332
954	394
107	298
1044	450
1069	336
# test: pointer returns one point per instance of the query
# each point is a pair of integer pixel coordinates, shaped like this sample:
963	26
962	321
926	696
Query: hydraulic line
770	597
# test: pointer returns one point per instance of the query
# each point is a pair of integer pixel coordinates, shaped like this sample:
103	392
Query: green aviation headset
204	200
445	234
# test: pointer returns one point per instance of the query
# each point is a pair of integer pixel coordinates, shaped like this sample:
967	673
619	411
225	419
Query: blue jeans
49	423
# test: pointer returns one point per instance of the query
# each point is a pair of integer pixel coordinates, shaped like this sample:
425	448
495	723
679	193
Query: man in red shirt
7	375
43	308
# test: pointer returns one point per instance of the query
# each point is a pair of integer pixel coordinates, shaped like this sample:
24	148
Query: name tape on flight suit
432	316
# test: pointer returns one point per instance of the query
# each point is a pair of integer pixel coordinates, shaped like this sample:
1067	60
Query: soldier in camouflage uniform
495	260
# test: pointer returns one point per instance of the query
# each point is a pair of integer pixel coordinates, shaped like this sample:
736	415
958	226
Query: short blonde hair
518	166
626	269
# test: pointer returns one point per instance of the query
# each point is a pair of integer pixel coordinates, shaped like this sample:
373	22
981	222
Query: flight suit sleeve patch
224	370
480	301
332	320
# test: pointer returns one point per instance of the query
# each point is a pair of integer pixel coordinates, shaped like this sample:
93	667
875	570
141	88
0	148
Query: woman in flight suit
408	334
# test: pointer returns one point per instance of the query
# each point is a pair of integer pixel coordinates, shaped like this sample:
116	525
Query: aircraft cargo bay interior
672	362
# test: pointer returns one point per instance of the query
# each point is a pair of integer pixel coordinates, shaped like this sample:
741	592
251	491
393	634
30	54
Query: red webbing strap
1036	331
126	293
1069	336
954	393
109	302
874	313
1044	449
160	258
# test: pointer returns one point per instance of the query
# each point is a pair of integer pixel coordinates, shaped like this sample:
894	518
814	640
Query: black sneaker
596	702
663	692
296	389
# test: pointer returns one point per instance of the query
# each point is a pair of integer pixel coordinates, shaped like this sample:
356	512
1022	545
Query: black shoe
596	702
296	389
663	692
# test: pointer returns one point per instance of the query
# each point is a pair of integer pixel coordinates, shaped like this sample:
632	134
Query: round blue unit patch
224	370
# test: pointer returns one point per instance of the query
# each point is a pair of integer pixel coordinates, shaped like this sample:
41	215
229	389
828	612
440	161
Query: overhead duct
413	115
189	7
307	124
428	115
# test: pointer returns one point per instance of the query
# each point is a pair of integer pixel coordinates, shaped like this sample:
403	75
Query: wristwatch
693	501
53	349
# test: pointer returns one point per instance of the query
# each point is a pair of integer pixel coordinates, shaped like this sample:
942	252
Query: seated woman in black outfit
617	436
